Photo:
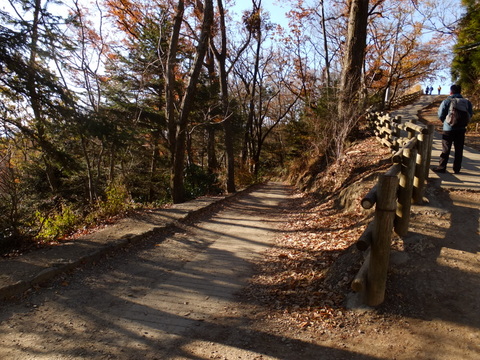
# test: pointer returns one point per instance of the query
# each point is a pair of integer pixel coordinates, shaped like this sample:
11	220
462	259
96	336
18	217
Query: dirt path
181	296
431	312
432	307
140	303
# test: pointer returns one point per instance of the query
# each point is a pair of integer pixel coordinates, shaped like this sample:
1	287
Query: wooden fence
405	99
403	184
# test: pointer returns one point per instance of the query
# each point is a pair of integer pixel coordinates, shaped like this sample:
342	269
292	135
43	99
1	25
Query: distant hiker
427	89
455	112
431	90
439	89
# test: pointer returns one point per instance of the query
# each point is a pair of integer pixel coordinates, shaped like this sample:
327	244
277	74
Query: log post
359	283
397	120
405	190
394	170
370	199
365	240
423	164
410	131
381	239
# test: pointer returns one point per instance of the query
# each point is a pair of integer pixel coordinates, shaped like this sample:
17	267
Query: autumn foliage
168	100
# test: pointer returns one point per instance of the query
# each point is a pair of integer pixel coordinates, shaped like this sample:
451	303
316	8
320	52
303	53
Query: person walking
452	134
439	89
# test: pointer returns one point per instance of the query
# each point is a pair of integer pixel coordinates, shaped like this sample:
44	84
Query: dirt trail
139	303
431	311
174	297
432	307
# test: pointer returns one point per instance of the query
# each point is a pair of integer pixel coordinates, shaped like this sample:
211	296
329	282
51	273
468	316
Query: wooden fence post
410	130
423	164
381	239
429	143
412	162
405	190
396	122
359	283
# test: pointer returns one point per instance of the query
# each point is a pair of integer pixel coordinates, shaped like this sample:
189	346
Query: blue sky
276	9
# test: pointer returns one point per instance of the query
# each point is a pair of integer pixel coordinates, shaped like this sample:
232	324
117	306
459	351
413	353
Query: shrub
117	200
244	177
199	182
56	225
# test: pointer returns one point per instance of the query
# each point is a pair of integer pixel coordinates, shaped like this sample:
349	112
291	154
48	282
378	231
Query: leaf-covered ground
302	287
298	280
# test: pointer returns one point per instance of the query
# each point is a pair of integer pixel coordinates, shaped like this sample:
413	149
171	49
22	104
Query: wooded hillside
115	104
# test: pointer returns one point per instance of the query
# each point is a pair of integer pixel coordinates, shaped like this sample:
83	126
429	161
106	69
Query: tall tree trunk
32	65
325	46
212	162
348	107
170	78
35	97
221	57
211	128
227	123
249	131
178	191
90	184
153	170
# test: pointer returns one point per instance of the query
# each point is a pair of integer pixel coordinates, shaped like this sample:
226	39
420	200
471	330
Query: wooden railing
405	99
393	195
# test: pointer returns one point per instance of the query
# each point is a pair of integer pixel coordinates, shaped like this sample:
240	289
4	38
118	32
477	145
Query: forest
108	106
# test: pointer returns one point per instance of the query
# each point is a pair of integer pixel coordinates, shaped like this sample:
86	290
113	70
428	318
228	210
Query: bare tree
178	124
221	55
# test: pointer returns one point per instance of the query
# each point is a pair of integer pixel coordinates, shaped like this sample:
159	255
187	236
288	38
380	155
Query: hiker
439	89
453	133
427	90
431	90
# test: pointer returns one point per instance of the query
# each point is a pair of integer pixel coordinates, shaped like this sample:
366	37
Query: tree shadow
177	292
161	298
